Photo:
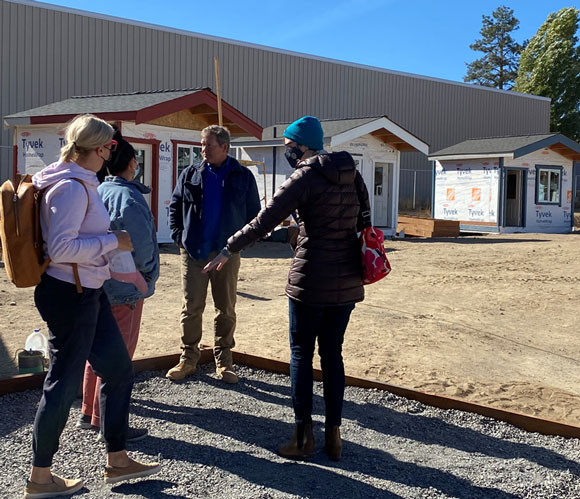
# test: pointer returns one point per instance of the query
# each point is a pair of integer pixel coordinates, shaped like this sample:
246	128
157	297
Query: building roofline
194	34
547	140
141	92
144	113
511	136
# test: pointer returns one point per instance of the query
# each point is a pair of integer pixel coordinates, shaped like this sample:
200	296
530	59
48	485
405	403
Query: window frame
549	168
176	143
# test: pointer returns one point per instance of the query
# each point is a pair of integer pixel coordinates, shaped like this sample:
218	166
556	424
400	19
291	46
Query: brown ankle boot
332	442
302	444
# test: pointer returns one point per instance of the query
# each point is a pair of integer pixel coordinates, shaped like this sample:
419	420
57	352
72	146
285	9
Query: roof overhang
386	131
558	143
193	111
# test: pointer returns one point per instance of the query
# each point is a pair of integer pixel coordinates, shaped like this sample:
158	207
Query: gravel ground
219	441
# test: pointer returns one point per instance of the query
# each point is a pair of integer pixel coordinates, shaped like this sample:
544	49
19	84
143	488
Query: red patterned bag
375	263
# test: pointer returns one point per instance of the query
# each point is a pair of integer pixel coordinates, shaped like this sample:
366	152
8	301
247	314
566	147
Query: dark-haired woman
128	210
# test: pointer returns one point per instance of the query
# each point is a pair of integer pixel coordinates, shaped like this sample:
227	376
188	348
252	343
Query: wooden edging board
529	423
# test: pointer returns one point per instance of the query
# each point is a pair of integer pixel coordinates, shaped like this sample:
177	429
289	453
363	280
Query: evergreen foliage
499	65
550	67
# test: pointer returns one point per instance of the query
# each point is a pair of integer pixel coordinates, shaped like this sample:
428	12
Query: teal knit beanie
306	131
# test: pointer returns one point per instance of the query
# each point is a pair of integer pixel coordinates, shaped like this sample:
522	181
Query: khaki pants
223	289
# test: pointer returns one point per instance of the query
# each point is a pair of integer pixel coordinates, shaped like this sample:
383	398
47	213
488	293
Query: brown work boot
185	368
302	444
227	374
332	442
58	487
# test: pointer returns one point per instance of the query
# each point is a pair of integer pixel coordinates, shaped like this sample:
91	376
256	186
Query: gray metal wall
48	54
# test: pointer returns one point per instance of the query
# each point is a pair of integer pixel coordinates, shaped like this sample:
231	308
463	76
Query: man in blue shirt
210	202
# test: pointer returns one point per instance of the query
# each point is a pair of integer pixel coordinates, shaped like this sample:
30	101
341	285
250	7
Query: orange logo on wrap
450	194
569	197
476	194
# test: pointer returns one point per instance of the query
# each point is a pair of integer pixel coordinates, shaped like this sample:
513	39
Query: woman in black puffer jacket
324	282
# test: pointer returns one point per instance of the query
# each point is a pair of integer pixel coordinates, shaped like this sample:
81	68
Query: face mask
106	162
137	172
293	155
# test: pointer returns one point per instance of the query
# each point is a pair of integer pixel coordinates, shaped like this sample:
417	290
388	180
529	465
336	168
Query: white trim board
372	126
459	157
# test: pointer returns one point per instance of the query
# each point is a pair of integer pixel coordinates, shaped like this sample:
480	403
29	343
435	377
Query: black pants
328	324
82	327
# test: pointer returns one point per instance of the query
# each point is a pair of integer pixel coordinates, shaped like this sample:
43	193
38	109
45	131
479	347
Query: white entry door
143	153
383	195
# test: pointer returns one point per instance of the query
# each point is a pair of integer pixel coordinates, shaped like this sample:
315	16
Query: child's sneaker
84	422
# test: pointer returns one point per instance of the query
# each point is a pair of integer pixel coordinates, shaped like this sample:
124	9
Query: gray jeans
223	289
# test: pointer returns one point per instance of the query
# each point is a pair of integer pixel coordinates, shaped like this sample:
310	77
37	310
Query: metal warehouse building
49	53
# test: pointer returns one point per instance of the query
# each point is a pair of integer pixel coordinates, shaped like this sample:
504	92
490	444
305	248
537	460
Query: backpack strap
37	231
74	265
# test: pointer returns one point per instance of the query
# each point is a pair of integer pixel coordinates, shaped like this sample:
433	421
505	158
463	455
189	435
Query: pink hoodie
72	233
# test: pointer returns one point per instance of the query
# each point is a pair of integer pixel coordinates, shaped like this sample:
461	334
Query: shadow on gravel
306	480
434	431
24	412
424	429
146	488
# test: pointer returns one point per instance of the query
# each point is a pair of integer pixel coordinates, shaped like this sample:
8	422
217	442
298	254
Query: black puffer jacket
326	269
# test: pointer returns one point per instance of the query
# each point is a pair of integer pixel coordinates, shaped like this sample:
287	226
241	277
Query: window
378	180
187	155
358	162
549	185
140	157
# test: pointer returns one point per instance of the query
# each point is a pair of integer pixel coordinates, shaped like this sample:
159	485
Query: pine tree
550	67
499	65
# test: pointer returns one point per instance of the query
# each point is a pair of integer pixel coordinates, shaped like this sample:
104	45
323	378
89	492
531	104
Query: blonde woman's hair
83	134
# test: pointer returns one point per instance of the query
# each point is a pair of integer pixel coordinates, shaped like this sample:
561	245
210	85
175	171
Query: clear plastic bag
122	268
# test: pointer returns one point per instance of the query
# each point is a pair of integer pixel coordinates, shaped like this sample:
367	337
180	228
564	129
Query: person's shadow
357	459
428	430
315	482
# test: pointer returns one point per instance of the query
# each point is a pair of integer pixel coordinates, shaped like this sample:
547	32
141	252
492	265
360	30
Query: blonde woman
70	298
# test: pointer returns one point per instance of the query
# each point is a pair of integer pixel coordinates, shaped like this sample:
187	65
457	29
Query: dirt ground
490	319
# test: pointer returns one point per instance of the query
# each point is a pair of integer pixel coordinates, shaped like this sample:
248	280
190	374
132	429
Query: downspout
274	165
501	201
433	189
524	197
575	172
15	154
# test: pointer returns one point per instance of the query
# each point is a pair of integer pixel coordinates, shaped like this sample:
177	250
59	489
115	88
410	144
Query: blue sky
426	37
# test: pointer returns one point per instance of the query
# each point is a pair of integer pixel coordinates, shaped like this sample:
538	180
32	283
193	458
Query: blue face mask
137	172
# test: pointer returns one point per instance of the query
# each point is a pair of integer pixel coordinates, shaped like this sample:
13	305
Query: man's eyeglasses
111	146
